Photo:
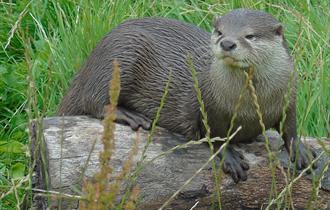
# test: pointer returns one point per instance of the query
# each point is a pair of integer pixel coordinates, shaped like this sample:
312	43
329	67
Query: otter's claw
234	164
302	156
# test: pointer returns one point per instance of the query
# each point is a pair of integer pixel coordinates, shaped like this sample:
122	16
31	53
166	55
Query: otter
148	49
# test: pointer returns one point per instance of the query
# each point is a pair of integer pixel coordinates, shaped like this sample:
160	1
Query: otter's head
244	38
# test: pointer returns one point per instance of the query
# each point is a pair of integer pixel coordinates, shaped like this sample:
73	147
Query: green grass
53	38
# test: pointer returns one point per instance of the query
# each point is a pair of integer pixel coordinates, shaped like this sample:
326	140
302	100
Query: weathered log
69	144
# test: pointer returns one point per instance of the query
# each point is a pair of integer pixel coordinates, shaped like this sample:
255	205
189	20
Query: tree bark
62	163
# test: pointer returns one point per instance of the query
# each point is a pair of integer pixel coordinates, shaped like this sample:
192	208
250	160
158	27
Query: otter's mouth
233	62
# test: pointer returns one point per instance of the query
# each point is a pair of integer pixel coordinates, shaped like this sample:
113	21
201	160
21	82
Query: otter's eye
250	37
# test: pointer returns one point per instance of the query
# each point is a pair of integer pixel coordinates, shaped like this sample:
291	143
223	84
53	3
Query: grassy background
44	42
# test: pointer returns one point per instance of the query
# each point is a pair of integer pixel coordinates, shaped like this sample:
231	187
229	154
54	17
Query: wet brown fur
146	49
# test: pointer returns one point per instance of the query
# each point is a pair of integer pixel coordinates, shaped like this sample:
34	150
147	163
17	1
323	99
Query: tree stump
70	153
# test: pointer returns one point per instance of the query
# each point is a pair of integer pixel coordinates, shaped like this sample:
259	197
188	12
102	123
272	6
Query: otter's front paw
234	164
132	118
302	156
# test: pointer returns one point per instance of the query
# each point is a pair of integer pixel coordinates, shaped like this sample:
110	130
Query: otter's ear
216	21
278	29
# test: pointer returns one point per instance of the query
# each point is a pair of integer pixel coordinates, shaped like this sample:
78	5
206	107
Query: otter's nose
227	45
